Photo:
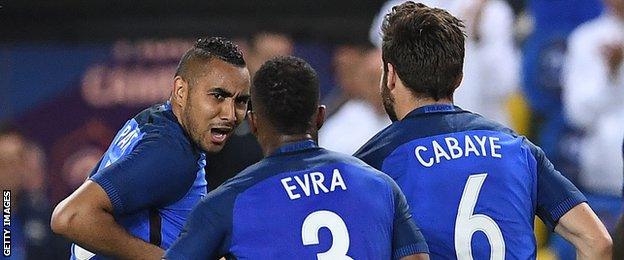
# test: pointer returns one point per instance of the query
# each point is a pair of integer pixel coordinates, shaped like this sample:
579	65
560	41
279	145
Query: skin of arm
586	232
416	257
86	217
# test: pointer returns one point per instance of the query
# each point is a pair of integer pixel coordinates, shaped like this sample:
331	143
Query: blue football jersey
302	202
473	185
153	175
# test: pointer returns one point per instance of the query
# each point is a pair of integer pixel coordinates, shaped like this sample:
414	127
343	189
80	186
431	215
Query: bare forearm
416	257
85	217
585	250
100	233
584	230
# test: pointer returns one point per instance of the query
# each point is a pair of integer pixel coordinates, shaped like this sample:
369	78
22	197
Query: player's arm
157	172
564	209
205	231
408	242
86	217
586	232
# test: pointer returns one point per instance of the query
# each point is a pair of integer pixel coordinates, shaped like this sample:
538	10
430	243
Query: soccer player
301	201
138	197
473	185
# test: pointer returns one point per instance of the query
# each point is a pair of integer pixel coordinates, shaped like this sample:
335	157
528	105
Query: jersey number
340	236
468	223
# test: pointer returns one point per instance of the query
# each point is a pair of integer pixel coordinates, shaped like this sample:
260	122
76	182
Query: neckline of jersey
435	108
295	147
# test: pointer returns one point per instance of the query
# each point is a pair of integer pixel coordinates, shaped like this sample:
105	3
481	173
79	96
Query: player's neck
271	144
405	107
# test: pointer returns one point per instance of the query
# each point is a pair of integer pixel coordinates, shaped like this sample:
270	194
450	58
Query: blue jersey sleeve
406	238
207	232
157	172
556	195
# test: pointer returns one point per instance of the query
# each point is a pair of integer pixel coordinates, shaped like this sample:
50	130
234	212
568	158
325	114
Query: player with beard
136	201
473	185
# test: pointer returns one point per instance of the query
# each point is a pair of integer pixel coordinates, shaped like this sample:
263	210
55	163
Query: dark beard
191	130
387	98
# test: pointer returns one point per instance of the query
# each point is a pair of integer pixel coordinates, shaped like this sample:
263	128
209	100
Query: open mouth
218	135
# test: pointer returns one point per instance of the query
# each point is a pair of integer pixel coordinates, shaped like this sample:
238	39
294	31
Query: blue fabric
433	153
260	213
543	57
151	166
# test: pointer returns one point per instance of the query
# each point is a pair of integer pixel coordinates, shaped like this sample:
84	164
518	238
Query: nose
228	111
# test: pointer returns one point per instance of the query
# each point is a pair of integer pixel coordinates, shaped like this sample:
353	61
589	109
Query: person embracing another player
136	201
301	201
473	185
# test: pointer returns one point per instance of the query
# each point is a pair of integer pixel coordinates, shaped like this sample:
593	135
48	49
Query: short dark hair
426	47
286	91
204	50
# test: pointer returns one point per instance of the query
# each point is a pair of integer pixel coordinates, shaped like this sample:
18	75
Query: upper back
287	199
461	173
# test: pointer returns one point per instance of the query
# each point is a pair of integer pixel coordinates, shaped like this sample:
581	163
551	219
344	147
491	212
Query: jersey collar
295	147
167	105
435	108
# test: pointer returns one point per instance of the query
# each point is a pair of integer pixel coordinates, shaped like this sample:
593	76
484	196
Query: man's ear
320	116
251	118
180	91
391	77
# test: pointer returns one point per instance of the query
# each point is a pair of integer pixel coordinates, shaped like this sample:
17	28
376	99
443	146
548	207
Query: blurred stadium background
72	72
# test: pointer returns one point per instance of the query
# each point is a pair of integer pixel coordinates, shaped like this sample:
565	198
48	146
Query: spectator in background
23	171
361	115
542	61
491	63
11	173
594	97
266	45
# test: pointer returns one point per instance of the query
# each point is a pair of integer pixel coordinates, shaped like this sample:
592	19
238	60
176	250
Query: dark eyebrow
221	91
243	97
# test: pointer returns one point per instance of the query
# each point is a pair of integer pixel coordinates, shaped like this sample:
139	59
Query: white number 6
468	223
340	236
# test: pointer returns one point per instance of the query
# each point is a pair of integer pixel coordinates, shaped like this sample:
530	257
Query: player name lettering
452	148
312	184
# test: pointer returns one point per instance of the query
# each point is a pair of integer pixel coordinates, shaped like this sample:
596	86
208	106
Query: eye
241	101
218	96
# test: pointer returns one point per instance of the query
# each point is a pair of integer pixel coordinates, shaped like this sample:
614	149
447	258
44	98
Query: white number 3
340	236
468	223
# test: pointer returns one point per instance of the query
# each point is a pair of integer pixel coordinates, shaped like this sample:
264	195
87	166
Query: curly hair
285	90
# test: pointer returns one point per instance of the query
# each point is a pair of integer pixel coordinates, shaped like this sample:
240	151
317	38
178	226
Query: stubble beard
192	131
387	99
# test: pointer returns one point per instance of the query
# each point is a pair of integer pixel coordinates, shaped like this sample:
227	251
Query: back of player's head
203	51
285	91
426	47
